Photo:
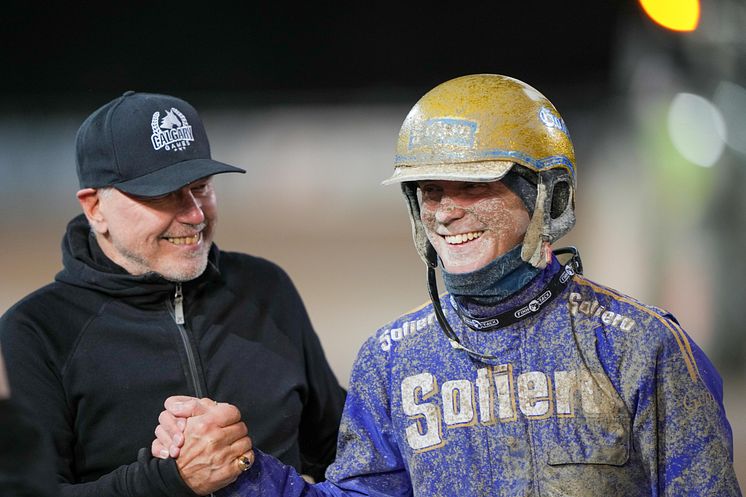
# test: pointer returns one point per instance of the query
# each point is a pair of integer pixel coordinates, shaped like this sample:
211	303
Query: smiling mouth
184	240
462	237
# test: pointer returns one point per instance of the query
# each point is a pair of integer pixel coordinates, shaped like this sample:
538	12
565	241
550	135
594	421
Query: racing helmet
479	128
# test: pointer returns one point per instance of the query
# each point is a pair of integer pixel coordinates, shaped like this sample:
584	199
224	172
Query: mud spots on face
470	224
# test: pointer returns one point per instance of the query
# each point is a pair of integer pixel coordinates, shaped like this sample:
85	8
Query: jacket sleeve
688	438
268	477
36	370
324	400
368	462
26	462
146	477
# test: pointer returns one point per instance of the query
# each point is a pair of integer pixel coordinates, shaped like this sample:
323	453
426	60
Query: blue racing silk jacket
591	394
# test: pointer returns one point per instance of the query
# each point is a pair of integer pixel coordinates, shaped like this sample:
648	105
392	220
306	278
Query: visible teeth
463	237
185	240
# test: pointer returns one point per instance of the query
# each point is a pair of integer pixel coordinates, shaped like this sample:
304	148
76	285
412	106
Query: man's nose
189	208
449	209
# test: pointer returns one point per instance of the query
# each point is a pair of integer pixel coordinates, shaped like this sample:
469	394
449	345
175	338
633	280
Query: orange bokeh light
677	15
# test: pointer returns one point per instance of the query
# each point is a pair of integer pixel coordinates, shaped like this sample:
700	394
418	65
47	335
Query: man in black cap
147	307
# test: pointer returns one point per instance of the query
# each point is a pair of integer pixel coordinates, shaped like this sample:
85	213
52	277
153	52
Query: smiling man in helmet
524	378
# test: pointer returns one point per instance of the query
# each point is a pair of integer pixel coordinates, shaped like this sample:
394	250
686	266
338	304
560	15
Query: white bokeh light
730	98
696	128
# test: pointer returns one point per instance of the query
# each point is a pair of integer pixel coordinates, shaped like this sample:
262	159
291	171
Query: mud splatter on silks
597	395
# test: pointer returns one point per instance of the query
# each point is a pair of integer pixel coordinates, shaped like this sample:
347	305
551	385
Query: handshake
207	439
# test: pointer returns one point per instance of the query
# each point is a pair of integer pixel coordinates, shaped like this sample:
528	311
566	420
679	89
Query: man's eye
151	200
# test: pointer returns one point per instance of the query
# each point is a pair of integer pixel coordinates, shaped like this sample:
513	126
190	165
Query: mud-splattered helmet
479	128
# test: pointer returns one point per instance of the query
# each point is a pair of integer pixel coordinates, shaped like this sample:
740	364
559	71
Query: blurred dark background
334	51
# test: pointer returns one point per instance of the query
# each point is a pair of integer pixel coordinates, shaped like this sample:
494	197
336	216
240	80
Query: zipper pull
178	305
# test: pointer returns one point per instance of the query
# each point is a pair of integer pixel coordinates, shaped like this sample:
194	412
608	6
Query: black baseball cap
145	144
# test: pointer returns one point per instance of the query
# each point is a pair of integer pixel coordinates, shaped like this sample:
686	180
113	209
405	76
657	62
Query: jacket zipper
179	319
178	316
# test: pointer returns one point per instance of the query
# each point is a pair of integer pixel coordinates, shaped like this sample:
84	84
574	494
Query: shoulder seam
681	339
418	308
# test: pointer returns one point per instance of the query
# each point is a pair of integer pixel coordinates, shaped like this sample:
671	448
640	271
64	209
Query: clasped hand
207	439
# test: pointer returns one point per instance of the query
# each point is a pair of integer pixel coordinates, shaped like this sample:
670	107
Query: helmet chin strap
432	288
572	267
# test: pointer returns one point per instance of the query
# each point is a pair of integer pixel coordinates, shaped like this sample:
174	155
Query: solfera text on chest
497	395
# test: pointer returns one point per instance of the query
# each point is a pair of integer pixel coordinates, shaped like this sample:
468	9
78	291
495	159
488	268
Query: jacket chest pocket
588	440
589	457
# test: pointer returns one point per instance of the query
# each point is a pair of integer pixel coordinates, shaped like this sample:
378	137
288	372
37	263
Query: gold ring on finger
244	463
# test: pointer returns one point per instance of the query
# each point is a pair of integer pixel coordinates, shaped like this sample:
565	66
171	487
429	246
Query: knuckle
200	427
245	445
163	416
231	412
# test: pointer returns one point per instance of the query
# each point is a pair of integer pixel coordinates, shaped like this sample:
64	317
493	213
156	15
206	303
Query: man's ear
90	200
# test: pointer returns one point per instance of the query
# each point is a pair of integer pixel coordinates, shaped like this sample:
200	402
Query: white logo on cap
171	132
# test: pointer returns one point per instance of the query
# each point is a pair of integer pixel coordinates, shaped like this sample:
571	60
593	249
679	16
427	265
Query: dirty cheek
505	222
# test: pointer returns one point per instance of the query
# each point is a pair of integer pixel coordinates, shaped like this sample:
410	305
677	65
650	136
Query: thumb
183	406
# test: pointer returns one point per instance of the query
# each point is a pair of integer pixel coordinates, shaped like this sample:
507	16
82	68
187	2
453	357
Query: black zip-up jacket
26	462
95	354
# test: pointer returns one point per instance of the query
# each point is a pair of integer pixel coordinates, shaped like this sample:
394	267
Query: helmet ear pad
560	208
421	242
553	216
561	196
